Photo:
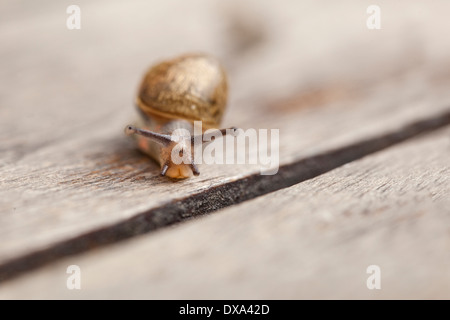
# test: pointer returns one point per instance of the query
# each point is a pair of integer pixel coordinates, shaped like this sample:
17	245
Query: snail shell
191	87
173	94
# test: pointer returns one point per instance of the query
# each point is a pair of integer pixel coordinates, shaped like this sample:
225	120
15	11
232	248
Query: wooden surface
312	240
71	182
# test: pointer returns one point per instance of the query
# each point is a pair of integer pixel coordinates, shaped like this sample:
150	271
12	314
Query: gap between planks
219	197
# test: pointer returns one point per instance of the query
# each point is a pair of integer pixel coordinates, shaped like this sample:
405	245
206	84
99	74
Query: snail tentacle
162	139
206	137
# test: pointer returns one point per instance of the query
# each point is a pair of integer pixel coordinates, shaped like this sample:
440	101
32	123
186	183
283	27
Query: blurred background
285	60
272	51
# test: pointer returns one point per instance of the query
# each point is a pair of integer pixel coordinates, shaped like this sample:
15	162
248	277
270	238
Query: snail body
172	95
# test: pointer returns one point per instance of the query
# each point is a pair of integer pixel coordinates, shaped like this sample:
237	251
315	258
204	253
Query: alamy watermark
74	19
374	20
74	280
374	280
235	140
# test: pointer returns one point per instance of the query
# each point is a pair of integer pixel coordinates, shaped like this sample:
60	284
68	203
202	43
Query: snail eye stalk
206	137
162	139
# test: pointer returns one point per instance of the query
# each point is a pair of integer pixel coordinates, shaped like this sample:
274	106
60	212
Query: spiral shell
191	87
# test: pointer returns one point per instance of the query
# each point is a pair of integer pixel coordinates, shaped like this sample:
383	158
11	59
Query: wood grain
313	240
65	168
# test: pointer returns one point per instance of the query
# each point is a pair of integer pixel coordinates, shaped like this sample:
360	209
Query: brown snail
173	94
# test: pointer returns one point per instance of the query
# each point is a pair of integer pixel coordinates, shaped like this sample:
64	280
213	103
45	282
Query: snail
172	96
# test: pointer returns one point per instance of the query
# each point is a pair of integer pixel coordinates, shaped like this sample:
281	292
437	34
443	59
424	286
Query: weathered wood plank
65	167
313	240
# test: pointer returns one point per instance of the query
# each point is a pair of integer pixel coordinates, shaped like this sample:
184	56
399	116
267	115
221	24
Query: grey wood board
65	167
313	240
